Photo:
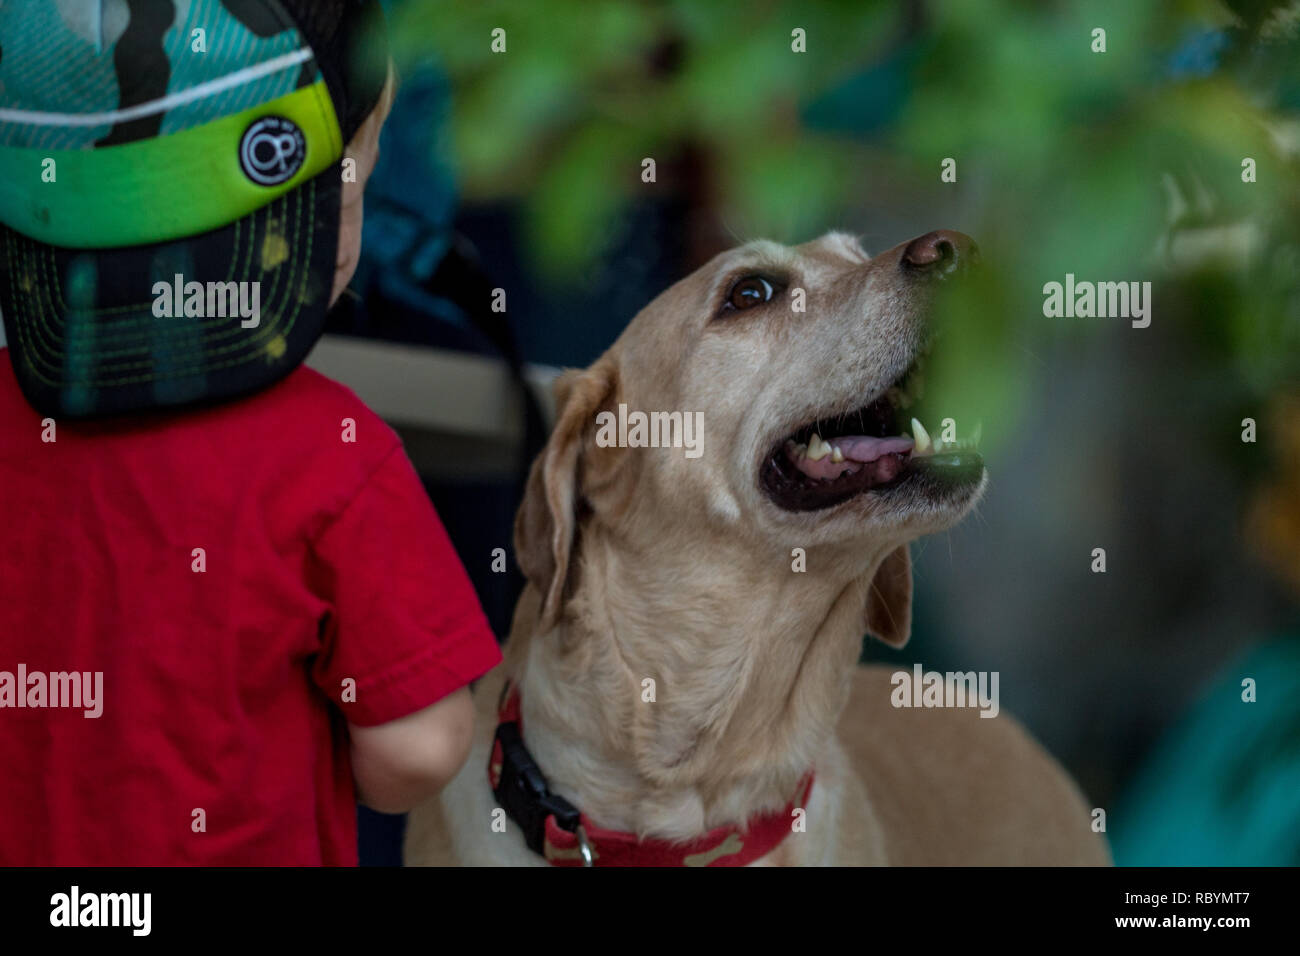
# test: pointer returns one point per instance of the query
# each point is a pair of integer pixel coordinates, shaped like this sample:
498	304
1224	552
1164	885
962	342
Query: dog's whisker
740	240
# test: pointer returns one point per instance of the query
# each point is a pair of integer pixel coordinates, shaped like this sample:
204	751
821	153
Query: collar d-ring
584	847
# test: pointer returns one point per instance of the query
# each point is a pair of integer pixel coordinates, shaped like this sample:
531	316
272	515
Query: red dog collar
565	836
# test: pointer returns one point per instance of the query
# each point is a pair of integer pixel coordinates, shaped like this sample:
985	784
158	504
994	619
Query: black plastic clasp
522	791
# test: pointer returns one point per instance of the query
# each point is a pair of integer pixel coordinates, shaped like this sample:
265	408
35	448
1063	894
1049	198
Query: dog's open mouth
830	460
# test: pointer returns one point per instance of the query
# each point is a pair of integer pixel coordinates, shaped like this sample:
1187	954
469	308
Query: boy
227	608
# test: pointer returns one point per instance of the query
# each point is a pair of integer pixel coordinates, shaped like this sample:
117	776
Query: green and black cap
170	186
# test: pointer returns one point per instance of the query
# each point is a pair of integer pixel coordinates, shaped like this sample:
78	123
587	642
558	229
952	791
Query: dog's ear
544	525
889	599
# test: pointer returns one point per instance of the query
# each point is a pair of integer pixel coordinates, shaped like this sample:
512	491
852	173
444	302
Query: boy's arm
404	762
403	637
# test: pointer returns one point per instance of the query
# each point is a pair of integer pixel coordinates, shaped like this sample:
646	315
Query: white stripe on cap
211	88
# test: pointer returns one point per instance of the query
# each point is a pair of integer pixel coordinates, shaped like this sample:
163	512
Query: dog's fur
642	563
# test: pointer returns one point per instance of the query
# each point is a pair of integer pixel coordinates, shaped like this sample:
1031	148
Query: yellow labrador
676	672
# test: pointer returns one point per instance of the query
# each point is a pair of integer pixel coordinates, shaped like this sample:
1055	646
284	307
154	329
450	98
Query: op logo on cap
272	150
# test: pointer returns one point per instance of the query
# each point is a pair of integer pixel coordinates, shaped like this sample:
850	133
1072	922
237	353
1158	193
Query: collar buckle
523	793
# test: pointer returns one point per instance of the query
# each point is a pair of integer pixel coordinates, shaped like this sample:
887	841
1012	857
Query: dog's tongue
878	455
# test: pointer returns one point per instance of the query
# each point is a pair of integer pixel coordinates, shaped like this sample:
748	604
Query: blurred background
1173	156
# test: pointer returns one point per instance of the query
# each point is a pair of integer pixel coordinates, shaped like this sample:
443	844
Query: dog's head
802	364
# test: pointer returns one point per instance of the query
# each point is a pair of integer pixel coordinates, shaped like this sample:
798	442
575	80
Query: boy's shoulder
307	399
318	438
304	397
312	389
311	414
303	423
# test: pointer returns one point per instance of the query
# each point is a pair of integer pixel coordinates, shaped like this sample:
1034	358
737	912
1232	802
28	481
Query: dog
675	690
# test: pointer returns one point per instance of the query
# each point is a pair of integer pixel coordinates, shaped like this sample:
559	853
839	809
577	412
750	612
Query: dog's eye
749	291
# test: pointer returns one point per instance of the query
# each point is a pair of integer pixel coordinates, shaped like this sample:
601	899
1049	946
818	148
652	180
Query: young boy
227	608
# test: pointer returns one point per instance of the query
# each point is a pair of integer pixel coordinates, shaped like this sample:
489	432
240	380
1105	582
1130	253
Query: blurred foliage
588	88
1082	156
1122	165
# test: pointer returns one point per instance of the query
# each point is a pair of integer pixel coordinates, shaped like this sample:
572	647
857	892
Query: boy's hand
400	764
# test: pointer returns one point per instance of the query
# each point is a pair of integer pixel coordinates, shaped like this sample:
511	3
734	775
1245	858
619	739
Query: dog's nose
940	253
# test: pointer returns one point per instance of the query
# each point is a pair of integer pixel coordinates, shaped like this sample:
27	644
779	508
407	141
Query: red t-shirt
220	737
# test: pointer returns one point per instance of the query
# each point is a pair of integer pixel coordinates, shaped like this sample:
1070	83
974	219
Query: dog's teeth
837	456
817	449
921	437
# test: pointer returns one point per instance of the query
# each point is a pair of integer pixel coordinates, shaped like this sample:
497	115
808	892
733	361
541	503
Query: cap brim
85	337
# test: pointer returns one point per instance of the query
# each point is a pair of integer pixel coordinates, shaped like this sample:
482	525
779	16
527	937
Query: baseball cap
170	186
